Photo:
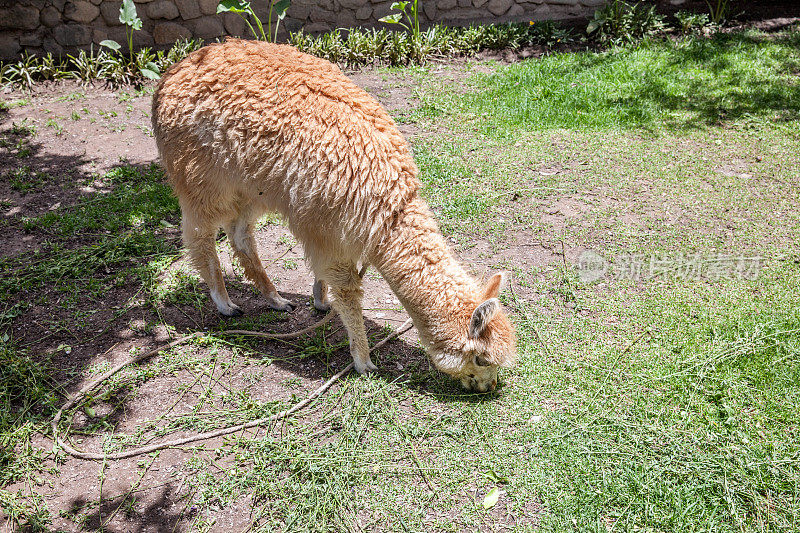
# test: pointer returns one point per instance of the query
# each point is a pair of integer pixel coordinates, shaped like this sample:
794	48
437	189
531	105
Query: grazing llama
248	127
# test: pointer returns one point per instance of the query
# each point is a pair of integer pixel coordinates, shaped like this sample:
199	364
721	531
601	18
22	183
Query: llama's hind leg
200	241
347	294
320	291
240	234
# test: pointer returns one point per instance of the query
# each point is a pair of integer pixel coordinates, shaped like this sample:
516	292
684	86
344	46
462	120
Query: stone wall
65	26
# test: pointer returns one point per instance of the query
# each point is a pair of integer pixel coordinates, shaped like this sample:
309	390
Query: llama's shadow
325	351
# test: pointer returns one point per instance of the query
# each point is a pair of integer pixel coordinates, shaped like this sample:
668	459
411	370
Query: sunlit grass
691	83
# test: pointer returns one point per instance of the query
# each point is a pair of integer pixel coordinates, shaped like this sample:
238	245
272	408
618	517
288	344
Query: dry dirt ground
82	132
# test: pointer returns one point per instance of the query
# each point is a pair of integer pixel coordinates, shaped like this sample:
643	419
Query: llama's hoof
322	306
365	367
231	311
279	304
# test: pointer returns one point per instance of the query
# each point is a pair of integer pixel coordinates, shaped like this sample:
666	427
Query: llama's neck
418	265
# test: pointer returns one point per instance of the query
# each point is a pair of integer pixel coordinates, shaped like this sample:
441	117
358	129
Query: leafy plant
719	10
689	22
30	69
411	16
244	9
549	33
130	18
619	22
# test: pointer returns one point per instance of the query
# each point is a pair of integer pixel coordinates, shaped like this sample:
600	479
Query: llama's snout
480	382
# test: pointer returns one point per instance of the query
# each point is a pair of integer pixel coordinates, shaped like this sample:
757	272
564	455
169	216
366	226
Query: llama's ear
481	317
496	284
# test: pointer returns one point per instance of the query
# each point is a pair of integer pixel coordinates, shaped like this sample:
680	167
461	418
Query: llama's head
474	356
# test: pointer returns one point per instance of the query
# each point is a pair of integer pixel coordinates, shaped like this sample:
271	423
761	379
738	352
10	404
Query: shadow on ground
82	266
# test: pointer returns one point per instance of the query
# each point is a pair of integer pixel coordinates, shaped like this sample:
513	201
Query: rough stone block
479	3
430	10
52	47
169	32
140	38
499	7
444	5
99	35
50	16
72	35
515	11
381	9
162	9
464	3
346	19
110	12
235	25
299	11
31	39
81	11
353	4
19	18
208	28
9	46
364	13
208	7
551	12
316	27
322	16
464	16
189	9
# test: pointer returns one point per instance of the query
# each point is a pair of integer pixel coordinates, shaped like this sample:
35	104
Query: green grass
113	229
660	404
690	83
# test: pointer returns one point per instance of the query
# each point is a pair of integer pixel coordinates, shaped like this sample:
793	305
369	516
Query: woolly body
244	128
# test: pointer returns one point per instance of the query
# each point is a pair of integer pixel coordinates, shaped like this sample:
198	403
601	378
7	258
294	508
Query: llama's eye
480	361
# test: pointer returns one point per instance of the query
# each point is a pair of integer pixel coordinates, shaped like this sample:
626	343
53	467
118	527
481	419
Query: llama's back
246	123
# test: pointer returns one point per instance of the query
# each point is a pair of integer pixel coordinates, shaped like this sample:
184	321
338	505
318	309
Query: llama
248	127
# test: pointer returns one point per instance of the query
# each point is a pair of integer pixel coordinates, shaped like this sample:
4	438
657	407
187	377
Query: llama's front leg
347	293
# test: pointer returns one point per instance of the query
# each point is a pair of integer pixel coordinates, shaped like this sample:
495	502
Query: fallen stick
81	395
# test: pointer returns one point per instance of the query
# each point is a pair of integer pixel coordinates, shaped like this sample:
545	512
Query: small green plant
71	97
53	123
24	71
689	22
130	18
244	9
23	179
619	22
23	128
411	16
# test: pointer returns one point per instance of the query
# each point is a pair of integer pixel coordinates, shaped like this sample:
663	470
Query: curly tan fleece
248	127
